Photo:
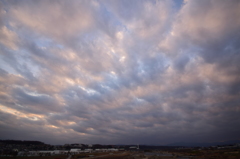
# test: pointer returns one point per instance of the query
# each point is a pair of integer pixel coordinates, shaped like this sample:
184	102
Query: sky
120	71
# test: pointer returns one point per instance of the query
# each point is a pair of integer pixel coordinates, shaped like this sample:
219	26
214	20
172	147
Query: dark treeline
20	142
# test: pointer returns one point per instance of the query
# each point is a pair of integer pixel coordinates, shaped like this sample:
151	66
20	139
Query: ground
179	154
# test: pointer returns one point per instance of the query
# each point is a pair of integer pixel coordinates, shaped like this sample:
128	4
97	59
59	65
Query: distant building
134	147
90	145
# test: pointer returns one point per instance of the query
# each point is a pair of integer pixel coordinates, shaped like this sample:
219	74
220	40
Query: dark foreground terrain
178	154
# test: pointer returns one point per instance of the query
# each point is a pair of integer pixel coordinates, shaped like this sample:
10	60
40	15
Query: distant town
37	149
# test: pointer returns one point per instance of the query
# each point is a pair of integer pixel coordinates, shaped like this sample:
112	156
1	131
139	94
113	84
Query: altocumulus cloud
147	72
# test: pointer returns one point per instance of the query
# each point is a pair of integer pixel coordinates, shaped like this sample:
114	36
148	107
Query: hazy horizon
120	71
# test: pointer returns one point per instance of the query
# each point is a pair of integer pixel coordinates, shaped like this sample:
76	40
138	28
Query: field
179	154
36	157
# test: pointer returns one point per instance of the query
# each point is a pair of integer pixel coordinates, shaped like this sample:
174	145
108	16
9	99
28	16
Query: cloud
130	72
55	19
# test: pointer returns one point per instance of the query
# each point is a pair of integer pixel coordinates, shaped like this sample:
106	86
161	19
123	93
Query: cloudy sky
120	71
